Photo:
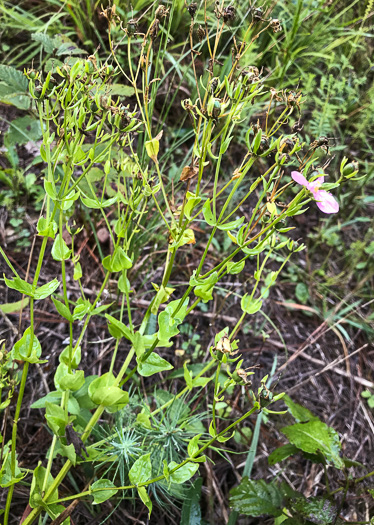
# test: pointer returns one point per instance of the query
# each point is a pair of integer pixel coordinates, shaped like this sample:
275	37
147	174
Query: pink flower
325	201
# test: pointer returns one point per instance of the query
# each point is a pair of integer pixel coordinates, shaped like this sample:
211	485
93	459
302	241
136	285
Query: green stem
14	440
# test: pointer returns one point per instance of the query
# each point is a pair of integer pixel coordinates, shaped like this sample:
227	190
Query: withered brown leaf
189	172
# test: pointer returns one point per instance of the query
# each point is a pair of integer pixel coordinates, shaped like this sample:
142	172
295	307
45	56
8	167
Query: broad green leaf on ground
281	453
14	87
315	436
300	413
22	130
316	510
257	498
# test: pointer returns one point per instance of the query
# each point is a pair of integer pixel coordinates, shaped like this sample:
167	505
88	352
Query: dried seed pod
264	145
153	32
214	107
161	11
240	376
131	27
228	14
297	127
201	33
224	345
213	84
286	145
275	25
192	8
257	14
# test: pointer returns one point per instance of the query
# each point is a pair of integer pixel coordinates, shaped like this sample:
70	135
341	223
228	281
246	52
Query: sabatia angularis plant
99	155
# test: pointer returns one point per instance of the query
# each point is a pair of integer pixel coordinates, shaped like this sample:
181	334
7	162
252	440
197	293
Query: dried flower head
192	8
228	14
161	11
275	25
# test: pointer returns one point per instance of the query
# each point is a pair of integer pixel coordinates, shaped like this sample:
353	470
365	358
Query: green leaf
235	268
6	478
47	289
22	350
51	397
192	202
117	262
72	381
321	510
46	228
37	485
77	271
193	445
152	365
96	204
14	87
20	285
12	308
118	329
62	309
315	436
60	251
256	498
168	326
56	417
232	225
302	293
250	305
141	471
48	43
153	146
300	413
184	473
68	451
82	308
281	453
103	392
208	215
143	494
191	511
121	90
102	495
23	130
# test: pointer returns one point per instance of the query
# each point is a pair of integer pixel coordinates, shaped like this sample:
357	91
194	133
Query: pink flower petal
313	186
299	178
326	202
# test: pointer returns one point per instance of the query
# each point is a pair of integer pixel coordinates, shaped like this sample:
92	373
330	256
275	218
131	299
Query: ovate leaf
106	490
141	471
315	436
256	498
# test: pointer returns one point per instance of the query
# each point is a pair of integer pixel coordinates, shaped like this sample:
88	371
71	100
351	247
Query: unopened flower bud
350	168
